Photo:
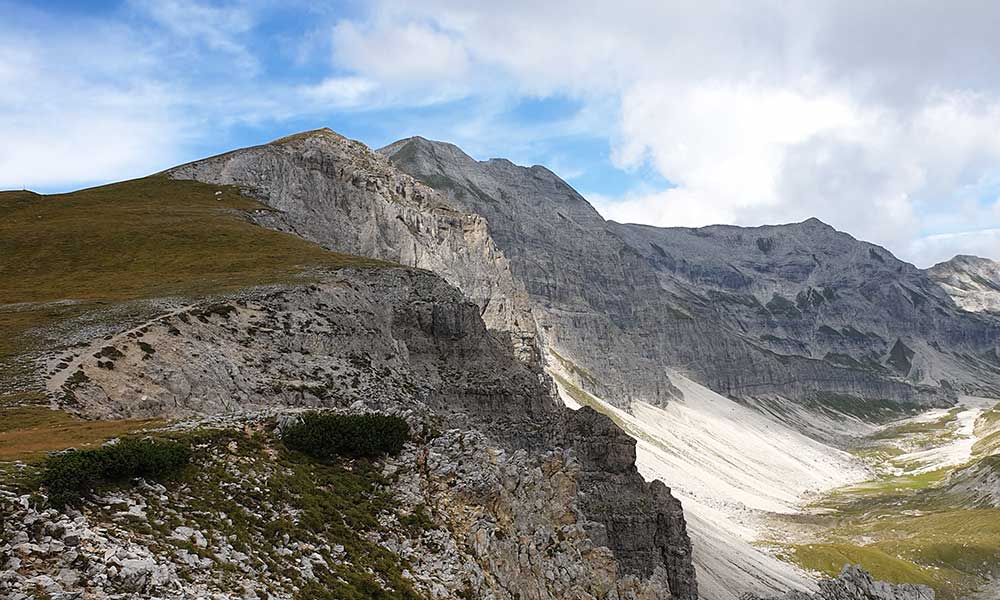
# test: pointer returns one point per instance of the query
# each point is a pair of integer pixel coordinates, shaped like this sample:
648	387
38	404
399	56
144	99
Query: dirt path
59	376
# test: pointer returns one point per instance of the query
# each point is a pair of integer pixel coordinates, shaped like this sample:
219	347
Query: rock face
795	311
467	519
392	339
853	583
977	485
338	193
973	282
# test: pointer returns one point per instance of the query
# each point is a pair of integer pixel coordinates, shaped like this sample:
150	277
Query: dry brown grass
29	432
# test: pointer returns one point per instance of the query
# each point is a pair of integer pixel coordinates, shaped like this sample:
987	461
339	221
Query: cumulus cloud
877	119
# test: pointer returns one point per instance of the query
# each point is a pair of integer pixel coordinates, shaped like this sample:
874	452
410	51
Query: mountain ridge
509	274
646	282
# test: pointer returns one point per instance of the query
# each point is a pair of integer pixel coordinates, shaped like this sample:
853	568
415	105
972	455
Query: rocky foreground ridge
540	501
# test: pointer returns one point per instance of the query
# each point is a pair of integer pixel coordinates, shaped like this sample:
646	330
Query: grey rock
408	343
973	282
799	311
854	583
337	192
341	194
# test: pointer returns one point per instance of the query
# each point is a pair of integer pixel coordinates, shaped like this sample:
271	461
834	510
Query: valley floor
771	508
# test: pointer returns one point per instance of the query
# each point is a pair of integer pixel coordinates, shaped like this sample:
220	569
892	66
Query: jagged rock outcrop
391	339
973	282
795	311
339	193
976	485
854	583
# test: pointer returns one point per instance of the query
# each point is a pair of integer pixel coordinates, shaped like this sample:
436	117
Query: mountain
224	301
160	309
973	282
820	333
796	312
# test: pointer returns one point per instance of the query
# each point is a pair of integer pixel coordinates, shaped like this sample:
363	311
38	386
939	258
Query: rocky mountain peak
972	281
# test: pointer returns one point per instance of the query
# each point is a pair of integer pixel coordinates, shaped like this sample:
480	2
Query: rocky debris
389	340
796	311
973	282
516	529
69	555
854	583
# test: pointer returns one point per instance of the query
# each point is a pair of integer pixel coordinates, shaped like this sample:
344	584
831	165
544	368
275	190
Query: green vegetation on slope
66	255
906	525
71	475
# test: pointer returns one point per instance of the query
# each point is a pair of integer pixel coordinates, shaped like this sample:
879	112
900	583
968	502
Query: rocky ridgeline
338	193
397	339
796	311
853	583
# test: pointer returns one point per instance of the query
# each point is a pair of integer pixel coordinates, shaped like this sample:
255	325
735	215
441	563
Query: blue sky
879	120
270	49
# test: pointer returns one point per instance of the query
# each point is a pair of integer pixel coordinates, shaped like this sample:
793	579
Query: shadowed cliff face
796	311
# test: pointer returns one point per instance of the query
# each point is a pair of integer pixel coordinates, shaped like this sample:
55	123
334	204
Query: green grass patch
942	425
829	559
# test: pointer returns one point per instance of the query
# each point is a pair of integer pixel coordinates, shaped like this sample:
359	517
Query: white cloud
59	128
206	25
340	92
400	53
933	249
880	121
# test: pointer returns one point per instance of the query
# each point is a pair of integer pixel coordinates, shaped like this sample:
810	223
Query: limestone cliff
338	193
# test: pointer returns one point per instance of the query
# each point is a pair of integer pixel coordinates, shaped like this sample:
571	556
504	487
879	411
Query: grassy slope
27	433
905	526
85	257
67	255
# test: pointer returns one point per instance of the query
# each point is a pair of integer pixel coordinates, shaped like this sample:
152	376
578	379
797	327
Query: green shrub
70	475
327	435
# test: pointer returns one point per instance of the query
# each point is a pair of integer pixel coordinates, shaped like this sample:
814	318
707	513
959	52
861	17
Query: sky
879	118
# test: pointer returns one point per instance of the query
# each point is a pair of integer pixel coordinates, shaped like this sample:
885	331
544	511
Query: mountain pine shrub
70	475
329	435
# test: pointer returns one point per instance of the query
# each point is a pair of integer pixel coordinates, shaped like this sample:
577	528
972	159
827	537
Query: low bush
328	435
70	475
